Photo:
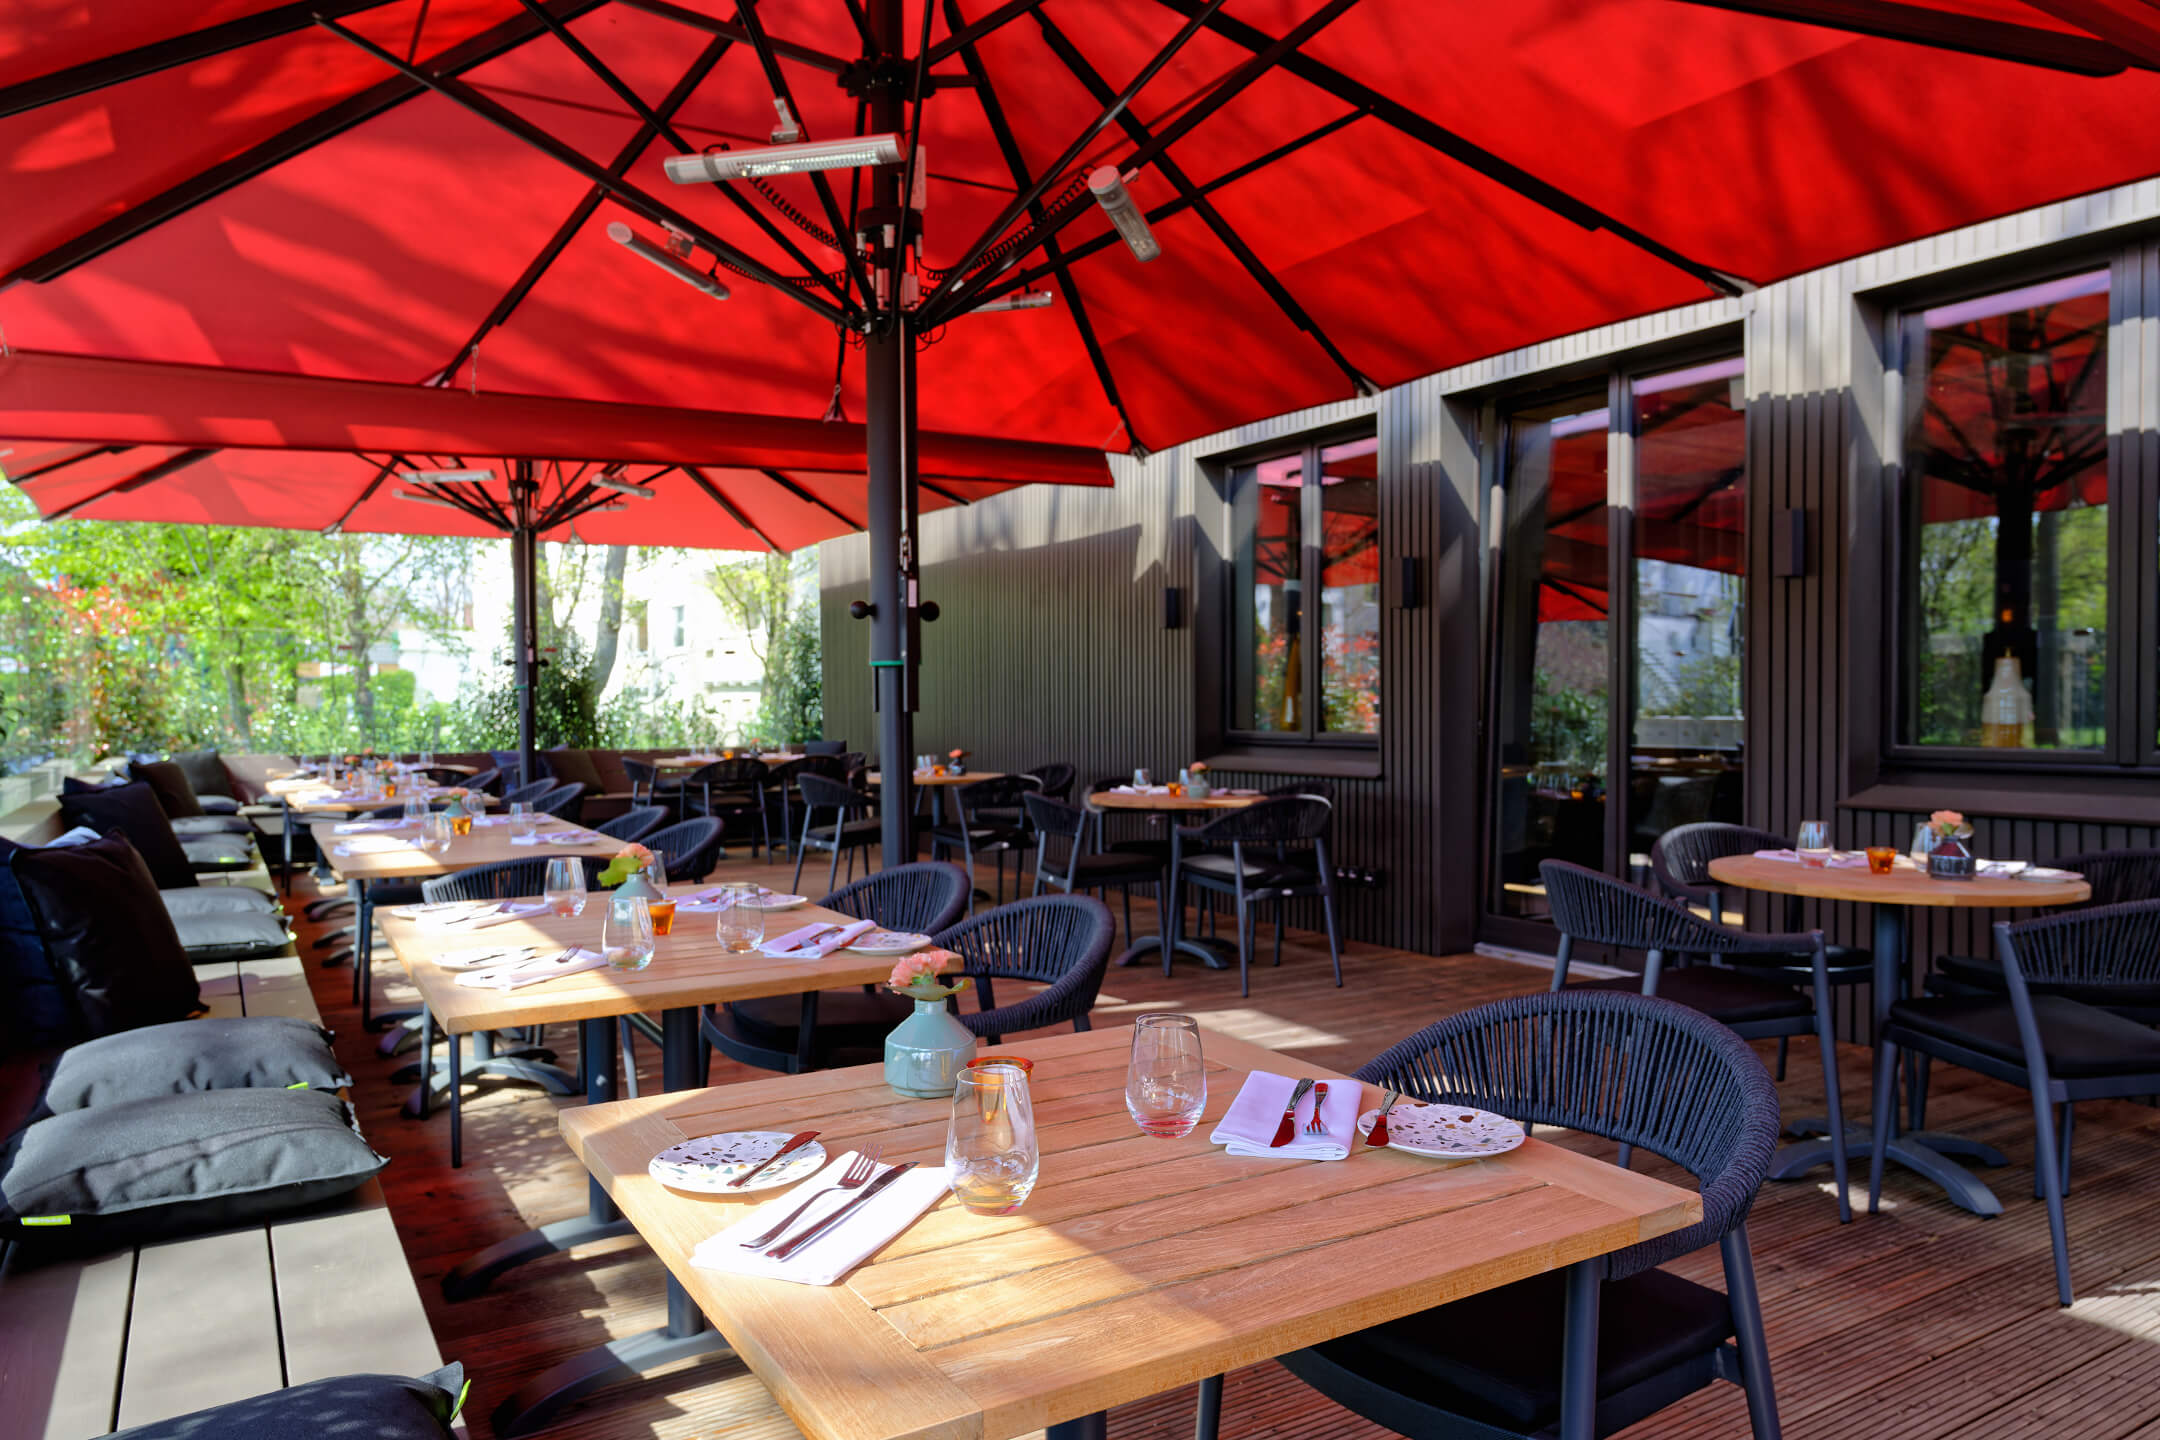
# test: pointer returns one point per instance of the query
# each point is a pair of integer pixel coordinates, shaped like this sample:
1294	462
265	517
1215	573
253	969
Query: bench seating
87	1347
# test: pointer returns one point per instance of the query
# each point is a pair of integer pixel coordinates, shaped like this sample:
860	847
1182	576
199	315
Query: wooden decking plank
204	1326
63	1332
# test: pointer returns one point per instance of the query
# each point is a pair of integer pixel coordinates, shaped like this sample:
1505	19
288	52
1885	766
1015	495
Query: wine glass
565	892
626	936
1166	1083
416	808
1814	844
523	820
991	1156
435	834
740	924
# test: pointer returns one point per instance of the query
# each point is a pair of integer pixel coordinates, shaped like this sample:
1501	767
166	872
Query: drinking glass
416	808
1923	843
1881	859
626	937
1140	780
740	926
435	834
1814	843
659	907
522	819
1166	1083
565	885
990	1152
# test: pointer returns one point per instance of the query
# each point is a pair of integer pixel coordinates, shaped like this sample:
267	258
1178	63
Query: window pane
1350	588
1554	678
2006	520
1270	680
1690	431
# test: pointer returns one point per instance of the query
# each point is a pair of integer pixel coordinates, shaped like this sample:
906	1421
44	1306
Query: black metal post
524	600
889	377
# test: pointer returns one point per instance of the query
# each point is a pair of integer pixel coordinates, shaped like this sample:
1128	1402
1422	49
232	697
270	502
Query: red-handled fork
1378	1138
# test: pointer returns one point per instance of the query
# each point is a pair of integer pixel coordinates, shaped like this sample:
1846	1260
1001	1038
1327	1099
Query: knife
788	1247
1284	1131
795	1142
1378	1140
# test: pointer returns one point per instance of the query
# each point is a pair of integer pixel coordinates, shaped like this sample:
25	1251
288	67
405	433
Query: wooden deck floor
1920	1322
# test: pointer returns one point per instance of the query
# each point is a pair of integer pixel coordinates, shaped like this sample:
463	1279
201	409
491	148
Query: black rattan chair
564	802
1061	942
1593	909
2059	1049
690	847
924	897
2117	877
853	826
528	794
973	831
779	798
1271	850
1062	858
1490	1364
731	790
824	747
644	778
486	782
632	826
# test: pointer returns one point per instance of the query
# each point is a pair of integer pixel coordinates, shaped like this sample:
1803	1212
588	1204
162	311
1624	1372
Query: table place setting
364	827
374	845
553	965
483	957
815	942
724	897
1287	1119
557	837
803	1240
462	915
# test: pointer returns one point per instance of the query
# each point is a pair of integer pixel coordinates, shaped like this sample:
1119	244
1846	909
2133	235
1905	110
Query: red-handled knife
795	1142
1288	1128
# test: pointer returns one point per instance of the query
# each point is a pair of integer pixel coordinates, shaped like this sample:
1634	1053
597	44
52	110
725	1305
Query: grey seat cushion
1726	996
2080	1041
262	1052
218	804
177	1164
218	852
217	900
231	935
376	1407
188	826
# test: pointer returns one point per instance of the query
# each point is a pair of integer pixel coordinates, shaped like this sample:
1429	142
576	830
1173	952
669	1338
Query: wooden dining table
1188	809
690	975
1136	1265
1892	898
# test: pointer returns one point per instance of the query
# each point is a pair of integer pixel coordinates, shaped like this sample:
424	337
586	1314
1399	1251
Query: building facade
1874	541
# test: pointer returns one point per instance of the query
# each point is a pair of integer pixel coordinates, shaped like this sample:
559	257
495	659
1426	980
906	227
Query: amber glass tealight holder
461	824
663	916
1881	859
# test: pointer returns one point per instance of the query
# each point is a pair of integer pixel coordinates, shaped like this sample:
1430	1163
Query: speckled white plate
1446	1132
708	1164
771	901
888	942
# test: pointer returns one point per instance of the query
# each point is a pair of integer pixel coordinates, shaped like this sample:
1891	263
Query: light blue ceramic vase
926	1052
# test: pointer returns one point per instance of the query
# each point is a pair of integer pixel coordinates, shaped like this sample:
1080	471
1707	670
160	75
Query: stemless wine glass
740	925
1923	843
1814	843
523	822
626	937
435	834
416	808
991	1157
1166	1083
565	885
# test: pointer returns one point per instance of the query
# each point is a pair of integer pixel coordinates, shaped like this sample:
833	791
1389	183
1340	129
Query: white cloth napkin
556	837
1140	790
824	1260
373	845
550	965
1839	859
362	827
792	946
491	819
485	957
501	914
1252	1119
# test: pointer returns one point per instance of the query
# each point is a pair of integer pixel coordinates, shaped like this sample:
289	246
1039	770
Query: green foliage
564	712
793	706
1567	724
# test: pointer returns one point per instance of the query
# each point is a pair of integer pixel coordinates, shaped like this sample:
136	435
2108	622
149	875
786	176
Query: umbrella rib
151	474
1137	131
964	39
54	466
815	59
728	505
582	212
294	140
1455	147
1945	30
1001	129
937	489
622	191
802	494
383	473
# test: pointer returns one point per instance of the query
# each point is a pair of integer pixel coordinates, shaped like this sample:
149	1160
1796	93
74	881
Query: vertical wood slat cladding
1052	645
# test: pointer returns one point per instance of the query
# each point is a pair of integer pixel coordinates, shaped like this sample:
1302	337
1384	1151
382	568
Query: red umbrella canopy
1409	185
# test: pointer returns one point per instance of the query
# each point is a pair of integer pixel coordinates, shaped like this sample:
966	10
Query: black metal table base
536	1403
1214	954
476	1272
551	1078
1926	1152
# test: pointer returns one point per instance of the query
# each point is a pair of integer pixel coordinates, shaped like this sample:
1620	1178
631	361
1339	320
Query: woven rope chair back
1039	939
824	747
563	801
729	774
504	880
921	898
1599	910
832	767
1632	1068
643	774
1055	817
1680	858
1000	793
488	782
1292	820
690	847
822	791
2103	945
2118	876
784	772
528	794
1055	779
634	825
1301	787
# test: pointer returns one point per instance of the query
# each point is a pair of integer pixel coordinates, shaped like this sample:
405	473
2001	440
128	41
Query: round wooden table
1892	898
1172	936
1169	804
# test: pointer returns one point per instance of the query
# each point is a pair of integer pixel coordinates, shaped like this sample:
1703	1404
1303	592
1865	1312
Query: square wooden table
1137	1265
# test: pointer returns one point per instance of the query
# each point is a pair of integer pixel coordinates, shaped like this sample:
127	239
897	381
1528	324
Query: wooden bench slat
220	982
204	1328
62	1333
346	1299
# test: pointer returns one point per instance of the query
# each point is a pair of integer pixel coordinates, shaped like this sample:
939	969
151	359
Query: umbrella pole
889	380
524	598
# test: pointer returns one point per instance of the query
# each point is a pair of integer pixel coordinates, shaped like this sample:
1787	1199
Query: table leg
536	1403
1207	1409
1578	1350
1086	1427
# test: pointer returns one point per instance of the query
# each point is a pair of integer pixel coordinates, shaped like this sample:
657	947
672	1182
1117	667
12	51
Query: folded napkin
796	944
1839	859
1252	1119
491	819
373	845
495	913
556	837
2002	869
824	1260
362	827
485	957
1140	790
710	899
550	965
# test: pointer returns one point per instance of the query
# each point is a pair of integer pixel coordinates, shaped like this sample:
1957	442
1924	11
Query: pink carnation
920	966
1946	817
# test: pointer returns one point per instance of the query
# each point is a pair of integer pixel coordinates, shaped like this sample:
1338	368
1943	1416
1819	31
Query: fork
1317	1126
859	1171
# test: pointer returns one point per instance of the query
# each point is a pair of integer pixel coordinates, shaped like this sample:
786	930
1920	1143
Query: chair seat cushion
263	1052
211	853
854	832
2079	1040
1115	867
217	900
218	804
1984	972
983	837
188	826
176	1164
378	1407
1495	1356
231	935
847	1019
1727	996
1257	874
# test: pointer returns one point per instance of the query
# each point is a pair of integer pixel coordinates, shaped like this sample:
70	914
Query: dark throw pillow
259	1052
377	1407
36	1012
174	1165
570	764
175	796
205	774
107	935
135	810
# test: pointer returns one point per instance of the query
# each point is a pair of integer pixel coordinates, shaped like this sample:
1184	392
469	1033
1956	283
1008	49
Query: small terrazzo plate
1446	1132
709	1164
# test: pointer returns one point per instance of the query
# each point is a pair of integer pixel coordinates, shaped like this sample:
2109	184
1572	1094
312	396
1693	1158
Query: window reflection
1269	659
1350	588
